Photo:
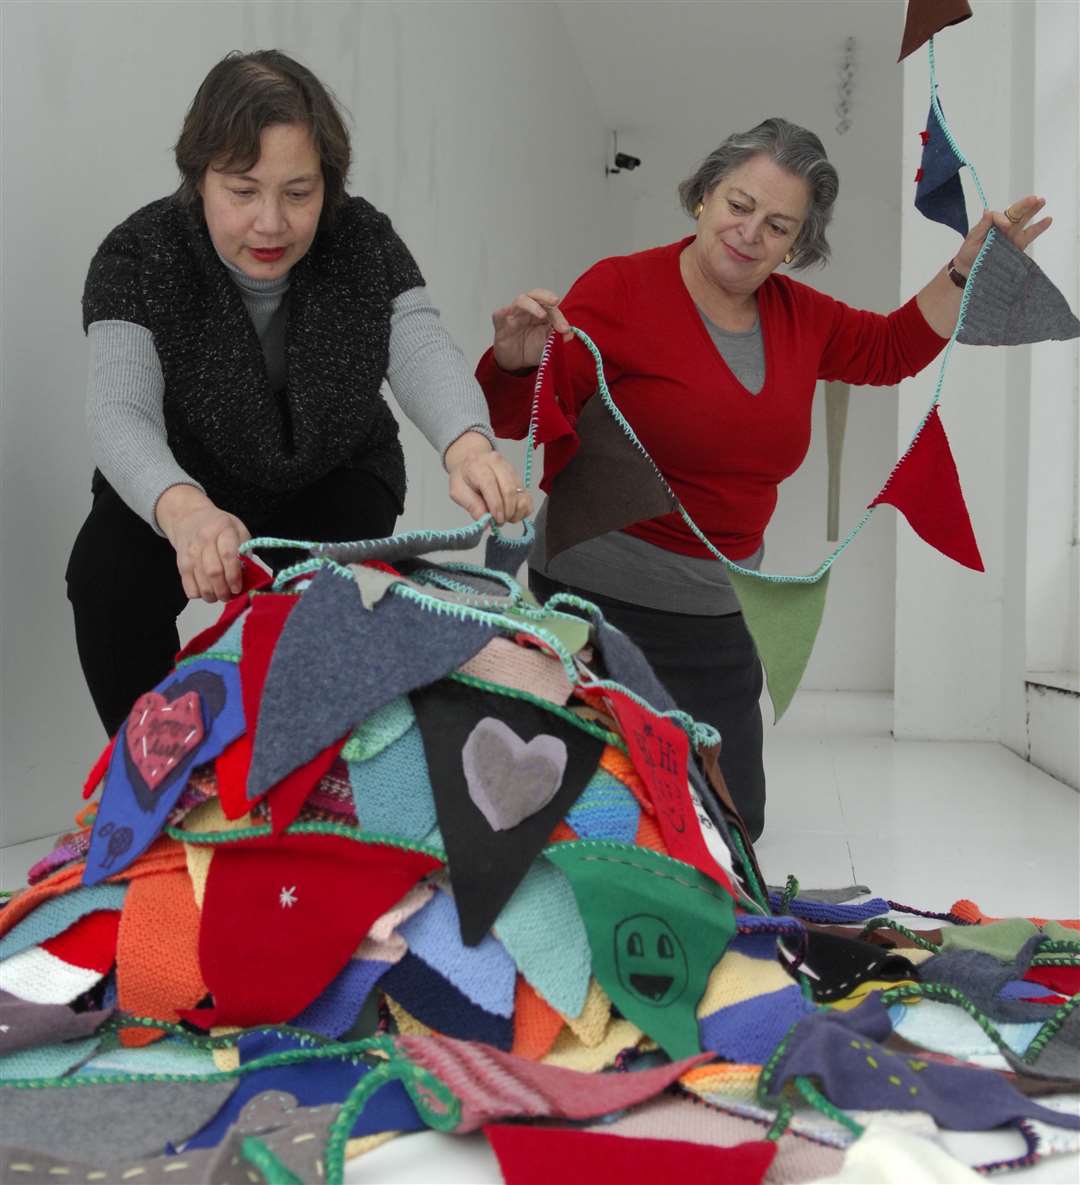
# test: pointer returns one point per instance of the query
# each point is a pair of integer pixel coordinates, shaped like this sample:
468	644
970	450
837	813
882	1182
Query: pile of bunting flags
393	848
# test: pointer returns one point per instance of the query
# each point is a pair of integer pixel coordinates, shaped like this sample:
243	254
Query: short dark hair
245	93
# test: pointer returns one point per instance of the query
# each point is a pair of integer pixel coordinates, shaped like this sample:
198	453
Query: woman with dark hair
713	359
240	331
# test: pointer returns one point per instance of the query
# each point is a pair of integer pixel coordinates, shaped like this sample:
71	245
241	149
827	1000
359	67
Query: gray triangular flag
1013	303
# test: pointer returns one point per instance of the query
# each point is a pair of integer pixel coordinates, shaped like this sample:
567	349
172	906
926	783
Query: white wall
1008	86
675	78
474	128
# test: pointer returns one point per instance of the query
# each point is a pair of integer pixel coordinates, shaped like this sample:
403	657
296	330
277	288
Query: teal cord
947	130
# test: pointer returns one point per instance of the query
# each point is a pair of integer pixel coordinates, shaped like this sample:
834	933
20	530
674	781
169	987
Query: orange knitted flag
536	1023
157	954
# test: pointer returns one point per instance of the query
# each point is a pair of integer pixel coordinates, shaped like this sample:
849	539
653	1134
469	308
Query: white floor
922	823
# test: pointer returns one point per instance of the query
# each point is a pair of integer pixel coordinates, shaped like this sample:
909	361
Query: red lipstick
267	254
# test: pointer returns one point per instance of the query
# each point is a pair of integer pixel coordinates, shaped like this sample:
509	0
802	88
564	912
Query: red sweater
723	450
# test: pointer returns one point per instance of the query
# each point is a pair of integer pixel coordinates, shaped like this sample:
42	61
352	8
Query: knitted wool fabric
944	1028
380	729
522	668
542	930
536	1023
335	1010
383	941
157	952
732	1080
46	1061
590	1025
570	1053
68	848
667	1118
967	911
247	447
538	1156
62	968
605	810
492	1085
55	916
392	790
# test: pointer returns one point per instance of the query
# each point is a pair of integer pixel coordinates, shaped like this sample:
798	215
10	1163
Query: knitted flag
927	17
607	485
540	1155
1011	301
486	865
656	928
337	662
938	192
392	791
64	967
783	618
925	487
274	933
187	720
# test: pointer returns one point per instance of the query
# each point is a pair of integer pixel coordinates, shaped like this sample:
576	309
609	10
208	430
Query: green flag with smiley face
656	928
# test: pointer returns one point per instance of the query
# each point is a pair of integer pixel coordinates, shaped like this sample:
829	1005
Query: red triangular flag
554	428
255	577
281	917
925	487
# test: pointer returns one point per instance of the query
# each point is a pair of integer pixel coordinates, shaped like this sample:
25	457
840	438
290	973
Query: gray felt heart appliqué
508	779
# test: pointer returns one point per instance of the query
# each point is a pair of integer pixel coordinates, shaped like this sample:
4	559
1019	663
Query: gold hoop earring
788	257
698	208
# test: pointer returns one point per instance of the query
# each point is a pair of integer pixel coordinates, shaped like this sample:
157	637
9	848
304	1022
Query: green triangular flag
656	928
783	619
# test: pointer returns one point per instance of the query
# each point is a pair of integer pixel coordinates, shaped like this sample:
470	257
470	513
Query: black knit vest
249	448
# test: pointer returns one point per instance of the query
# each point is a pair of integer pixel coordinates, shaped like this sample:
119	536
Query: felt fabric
157	952
265	897
439	1005
108	1122
553	429
484	973
1003	940
1058	1058
1065	980
538	1156
627	664
938	192
660	751
93	778
925	487
164	854
523	668
383	942
1011	302
609	484
231	642
406	545
382	728
64	967
132	812
605	810
572	632
542	930
337	662
24	1025
510	780
286	799
983	978
255	578
55	916
927	17
487	866
392	790
783	620
842	1051
335	1011
495	1085
656	928
689	1121
506	553
536	1023
835	965
891	1156
968	913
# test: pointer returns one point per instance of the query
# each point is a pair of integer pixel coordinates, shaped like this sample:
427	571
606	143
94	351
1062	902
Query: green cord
884	923
256	1153
748	869
817	1100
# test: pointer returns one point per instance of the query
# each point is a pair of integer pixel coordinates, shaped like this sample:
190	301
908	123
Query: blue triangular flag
938	192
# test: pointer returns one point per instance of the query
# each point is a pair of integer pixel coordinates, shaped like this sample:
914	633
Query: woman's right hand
206	541
522	327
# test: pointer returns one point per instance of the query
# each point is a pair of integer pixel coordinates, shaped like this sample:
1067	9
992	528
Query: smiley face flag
656	926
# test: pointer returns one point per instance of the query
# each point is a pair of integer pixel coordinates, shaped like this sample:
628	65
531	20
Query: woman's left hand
483	481
1014	223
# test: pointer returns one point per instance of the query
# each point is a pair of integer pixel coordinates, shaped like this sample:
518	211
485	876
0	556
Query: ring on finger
1013	218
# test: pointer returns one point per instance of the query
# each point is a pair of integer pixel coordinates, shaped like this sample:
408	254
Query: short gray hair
795	150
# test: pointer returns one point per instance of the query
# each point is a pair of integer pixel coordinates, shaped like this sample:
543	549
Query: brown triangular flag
608	484
927	17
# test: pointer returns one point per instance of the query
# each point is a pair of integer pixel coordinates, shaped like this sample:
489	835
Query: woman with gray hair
713	358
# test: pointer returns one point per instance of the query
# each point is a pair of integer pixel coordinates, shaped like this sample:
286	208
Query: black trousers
125	588
711	668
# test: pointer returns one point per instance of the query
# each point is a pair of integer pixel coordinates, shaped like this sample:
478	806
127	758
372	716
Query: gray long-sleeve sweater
427	374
